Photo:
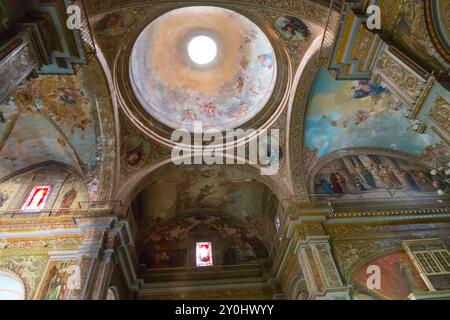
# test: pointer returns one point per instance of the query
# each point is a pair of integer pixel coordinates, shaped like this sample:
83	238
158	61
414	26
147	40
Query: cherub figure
190	115
240	84
243	109
210	109
205	192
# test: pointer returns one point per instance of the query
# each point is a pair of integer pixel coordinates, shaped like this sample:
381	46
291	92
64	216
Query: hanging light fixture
441	179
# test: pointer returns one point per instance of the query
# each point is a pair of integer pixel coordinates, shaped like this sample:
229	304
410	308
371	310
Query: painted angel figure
210	109
368	89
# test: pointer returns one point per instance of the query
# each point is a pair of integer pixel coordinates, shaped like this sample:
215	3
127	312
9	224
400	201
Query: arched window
11	286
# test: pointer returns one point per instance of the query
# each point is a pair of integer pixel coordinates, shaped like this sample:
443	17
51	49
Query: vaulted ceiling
73	120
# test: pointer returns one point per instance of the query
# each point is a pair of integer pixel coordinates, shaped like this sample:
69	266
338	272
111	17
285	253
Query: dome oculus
202	50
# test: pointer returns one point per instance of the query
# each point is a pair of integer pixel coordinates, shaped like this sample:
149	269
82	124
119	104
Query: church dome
203	64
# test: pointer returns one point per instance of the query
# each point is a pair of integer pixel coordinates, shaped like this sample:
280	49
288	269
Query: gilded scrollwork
399	76
29	268
440	114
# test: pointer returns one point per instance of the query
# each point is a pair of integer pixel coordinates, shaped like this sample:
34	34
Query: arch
11	286
330	116
133	186
299	290
112	293
296	123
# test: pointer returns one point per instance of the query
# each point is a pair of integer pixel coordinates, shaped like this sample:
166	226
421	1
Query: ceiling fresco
178	190
170	245
33	140
349	114
225	93
185	204
49	118
372	176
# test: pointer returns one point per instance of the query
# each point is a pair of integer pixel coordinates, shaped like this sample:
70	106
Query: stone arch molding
18	280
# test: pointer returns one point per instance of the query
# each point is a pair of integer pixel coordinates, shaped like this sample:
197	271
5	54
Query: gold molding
432	30
419	106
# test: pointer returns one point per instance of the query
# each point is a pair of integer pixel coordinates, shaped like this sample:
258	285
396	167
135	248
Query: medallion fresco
349	114
137	150
292	28
114	24
226	93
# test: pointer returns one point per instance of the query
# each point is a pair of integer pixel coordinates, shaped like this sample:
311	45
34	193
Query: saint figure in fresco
325	185
409	181
335	184
111	25
368	89
135	155
55	285
342	182
69	198
38	199
205	192
68	96
366	176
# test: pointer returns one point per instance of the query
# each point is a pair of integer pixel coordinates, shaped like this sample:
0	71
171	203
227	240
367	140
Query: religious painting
62	279
174	243
114	24
203	256
399	278
349	114
57	118
222	94
371	175
31	141
239	250
70	102
37	198
292	28
137	149
69	198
